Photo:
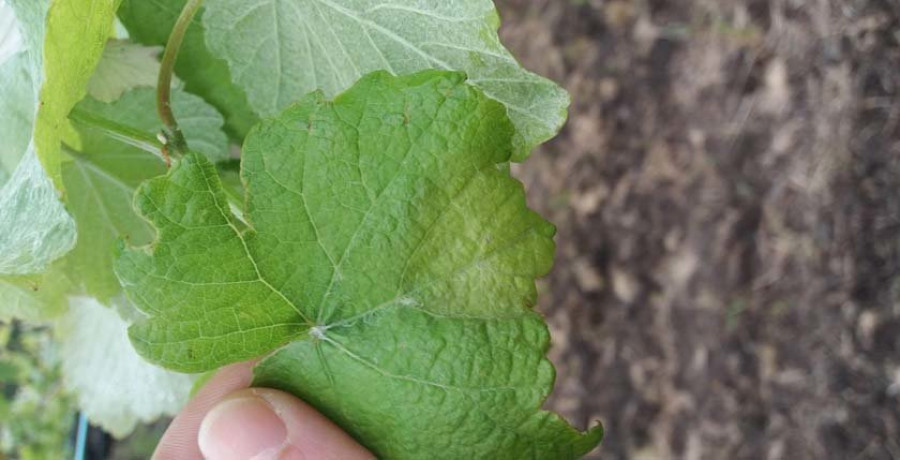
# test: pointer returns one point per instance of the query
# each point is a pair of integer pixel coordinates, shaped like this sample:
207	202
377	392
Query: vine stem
175	142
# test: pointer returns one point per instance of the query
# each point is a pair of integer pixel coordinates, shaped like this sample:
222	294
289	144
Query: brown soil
727	192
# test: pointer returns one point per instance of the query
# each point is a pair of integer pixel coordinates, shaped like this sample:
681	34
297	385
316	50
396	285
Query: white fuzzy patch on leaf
115	388
10	38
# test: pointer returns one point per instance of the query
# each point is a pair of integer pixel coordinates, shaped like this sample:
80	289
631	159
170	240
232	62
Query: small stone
587	277
624	285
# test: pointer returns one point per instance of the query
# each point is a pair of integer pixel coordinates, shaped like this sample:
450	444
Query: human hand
227	420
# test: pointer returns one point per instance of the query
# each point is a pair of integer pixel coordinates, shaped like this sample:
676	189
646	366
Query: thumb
266	424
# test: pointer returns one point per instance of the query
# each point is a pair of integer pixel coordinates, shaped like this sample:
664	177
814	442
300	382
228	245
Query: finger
180	440
266	424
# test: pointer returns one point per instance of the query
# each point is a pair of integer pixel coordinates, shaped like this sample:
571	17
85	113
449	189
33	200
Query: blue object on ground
81	437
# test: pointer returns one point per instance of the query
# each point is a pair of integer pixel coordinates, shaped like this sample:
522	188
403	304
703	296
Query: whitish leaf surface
102	177
16	93
30	17
124	66
388	257
16	112
34	226
279	50
114	386
151	22
10	36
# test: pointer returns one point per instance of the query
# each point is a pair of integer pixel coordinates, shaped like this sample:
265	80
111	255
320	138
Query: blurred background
727	193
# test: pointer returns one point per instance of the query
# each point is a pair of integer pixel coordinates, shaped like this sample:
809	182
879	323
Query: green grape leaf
387	259
114	386
75	38
34	226
124	66
103	175
151	22
101	203
279	50
230	175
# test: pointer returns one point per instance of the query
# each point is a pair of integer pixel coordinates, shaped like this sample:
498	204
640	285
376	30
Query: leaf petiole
115	130
175	142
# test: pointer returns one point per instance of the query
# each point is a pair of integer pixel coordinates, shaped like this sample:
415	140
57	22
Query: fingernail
245	428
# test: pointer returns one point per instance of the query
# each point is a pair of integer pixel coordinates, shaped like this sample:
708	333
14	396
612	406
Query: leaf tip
590	439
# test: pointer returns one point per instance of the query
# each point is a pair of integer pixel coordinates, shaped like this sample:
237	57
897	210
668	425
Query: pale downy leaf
114	386
10	36
16	113
34	226
278	50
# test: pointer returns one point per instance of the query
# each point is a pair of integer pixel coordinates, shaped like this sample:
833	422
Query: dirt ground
727	192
